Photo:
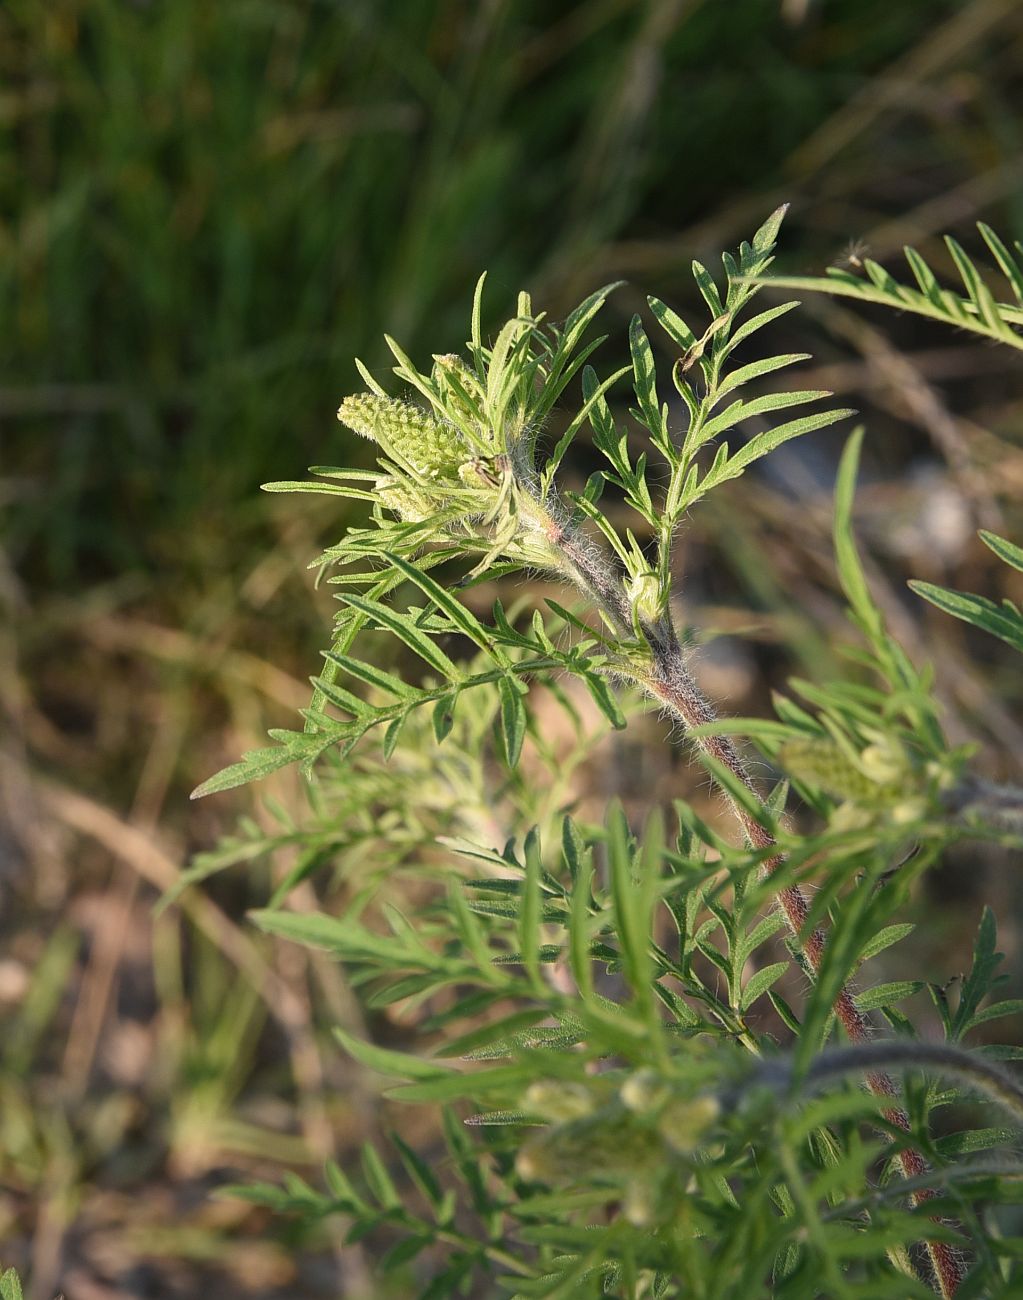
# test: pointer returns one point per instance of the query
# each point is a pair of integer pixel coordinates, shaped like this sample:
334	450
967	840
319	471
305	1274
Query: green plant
977	310
628	1126
10	1285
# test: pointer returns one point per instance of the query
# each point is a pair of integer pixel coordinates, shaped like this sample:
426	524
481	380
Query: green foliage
975	310
499	506
638	1082
10	1285
211	208
1004	620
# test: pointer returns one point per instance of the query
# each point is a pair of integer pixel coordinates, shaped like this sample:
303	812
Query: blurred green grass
205	212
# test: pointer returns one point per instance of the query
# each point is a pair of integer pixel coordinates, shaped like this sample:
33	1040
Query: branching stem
669	681
673	686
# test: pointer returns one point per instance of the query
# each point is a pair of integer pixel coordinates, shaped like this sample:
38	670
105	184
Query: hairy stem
670	683
943	1058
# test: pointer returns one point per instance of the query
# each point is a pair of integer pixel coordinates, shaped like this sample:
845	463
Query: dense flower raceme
411	437
432	471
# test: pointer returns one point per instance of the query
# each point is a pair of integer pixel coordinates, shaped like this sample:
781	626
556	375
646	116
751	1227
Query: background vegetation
205	211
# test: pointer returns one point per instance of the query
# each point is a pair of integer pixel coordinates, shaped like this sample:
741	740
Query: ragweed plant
616	1123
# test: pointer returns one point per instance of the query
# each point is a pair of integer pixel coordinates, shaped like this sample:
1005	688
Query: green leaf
1005	550
391	736
373	676
766	237
385	1061
340	1187
980	295
977	1139
577	320
467	927
443	716
785	1013
645	380
579	927
760	933
530	914
885	938
592	400
850	570
1006	624
977	312
348	939
401	1252
573	620
605	700
10	1286
513	718
672	324
419	1171
1010	1007
463	619
741	409
767	442
323	489
979	982
755	369
884	995
760	982
708	289
378	1180
633	899
476	329
749	327
506	1032
254	765
367	378
258	763
737	790
406	630
474	1085
345	700
1009	265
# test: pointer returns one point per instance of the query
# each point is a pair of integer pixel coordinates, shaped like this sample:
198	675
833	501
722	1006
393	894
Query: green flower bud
849	817
884	762
479	473
431	447
908	811
560	1101
646	598
462	392
404	499
821	762
640	1204
609	1143
683	1122
643	1091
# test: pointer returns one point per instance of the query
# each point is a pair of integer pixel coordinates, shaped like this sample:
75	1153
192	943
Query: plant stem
668	680
671	684
944	1058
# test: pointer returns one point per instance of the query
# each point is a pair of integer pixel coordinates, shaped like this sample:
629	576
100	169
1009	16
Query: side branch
668	680
673	686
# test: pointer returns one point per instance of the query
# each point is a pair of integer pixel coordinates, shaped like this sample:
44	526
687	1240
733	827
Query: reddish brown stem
679	693
669	682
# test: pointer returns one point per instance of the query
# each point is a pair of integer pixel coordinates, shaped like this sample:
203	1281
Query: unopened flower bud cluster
880	779
629	1135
